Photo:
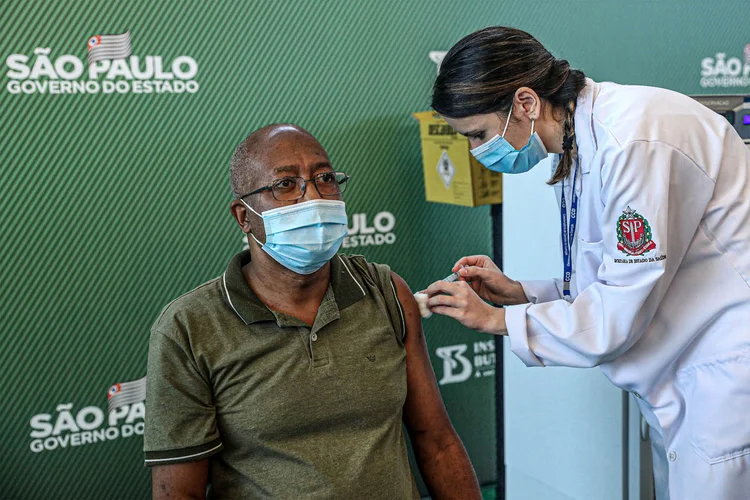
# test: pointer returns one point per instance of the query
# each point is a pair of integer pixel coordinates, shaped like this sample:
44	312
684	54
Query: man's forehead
279	150
292	149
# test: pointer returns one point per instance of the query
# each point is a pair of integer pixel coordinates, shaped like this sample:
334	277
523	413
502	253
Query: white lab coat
671	325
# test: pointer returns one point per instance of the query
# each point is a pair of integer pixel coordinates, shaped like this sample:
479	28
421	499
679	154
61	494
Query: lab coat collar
584	116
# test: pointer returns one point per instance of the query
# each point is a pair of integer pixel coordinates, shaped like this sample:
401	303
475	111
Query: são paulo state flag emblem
634	233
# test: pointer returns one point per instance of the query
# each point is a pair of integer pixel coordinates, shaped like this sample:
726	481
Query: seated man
289	376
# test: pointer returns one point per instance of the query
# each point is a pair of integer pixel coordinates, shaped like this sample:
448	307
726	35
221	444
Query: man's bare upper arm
424	409
185	480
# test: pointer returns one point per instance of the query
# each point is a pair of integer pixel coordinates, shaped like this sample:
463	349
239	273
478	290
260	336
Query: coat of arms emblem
633	233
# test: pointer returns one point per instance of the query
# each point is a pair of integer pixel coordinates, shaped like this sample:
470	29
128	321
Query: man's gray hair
239	173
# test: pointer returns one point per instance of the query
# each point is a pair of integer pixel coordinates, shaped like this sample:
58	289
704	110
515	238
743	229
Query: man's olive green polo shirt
283	410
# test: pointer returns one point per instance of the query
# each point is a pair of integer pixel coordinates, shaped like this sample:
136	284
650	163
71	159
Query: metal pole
497	256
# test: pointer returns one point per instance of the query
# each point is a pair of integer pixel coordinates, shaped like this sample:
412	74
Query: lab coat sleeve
539	291
671	193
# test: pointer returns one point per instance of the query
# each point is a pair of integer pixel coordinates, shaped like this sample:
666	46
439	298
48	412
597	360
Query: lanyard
568	230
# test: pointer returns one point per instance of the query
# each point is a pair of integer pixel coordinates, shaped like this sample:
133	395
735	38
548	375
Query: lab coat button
672	456
314	337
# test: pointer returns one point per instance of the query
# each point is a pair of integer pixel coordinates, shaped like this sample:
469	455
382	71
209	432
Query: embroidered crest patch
634	233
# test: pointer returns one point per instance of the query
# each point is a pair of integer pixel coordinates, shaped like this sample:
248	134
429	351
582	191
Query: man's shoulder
380	277
361	263
201	301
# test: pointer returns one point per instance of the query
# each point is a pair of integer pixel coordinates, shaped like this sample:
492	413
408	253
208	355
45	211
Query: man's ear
528	103
240	214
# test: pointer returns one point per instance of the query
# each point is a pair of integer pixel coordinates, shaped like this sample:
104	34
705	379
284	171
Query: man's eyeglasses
293	188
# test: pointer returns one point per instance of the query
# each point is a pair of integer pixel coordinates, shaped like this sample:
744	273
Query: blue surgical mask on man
304	236
498	155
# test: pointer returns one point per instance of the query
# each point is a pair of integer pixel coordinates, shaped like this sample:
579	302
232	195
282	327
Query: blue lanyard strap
568	230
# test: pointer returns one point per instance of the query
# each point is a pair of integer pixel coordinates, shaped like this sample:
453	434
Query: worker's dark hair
481	73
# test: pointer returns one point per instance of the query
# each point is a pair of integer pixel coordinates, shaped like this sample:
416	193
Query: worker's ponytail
566	96
482	72
566	159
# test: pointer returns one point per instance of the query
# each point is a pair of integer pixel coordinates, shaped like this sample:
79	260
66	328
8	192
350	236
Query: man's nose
311	193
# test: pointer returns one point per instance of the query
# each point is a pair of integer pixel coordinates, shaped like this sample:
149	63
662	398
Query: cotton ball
422	303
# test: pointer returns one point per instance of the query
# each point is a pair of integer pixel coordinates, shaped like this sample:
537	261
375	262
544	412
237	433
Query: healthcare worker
654	196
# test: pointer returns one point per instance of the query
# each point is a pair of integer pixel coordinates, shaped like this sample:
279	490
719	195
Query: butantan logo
458	368
722	72
90	424
111	69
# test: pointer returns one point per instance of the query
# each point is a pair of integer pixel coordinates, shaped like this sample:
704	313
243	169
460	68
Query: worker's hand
458	301
489	282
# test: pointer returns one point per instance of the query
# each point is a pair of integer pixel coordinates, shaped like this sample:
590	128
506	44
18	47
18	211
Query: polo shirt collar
346	286
239	295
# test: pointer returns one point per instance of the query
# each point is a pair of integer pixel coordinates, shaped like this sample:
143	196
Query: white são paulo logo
458	368
721	71
91	424
361	234
43	72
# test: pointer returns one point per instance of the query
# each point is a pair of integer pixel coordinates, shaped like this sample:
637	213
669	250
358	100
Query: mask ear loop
256	213
250	208
507	121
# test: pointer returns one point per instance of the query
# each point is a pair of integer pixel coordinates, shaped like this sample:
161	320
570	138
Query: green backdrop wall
114	199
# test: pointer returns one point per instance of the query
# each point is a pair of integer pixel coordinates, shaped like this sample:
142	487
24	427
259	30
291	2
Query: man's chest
296	381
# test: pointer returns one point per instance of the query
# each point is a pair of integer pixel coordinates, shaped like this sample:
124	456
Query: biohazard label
446	169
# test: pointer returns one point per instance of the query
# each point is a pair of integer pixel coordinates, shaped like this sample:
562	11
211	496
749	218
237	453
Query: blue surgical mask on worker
498	155
304	236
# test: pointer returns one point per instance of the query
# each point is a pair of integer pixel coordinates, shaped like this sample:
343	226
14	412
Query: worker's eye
479	136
